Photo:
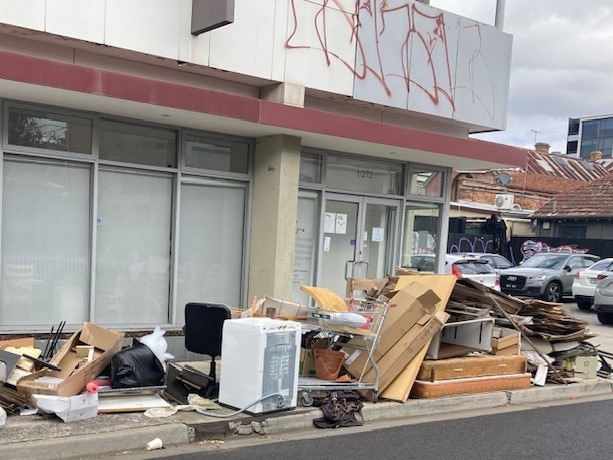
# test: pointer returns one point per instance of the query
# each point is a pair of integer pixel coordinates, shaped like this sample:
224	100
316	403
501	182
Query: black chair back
204	326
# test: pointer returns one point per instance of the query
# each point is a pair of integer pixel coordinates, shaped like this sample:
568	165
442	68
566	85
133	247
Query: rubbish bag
340	408
136	366
158	345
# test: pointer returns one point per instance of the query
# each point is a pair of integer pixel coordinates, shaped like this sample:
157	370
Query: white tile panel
320	47
151	26
422	59
246	45
31	17
83	20
482	74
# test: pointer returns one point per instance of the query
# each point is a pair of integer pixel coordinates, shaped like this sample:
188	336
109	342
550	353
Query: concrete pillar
284	93
273	219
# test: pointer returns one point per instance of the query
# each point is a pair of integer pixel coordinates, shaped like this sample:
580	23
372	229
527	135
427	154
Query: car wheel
553	292
605	318
584	305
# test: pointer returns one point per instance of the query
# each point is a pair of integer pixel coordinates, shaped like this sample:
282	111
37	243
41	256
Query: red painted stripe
60	75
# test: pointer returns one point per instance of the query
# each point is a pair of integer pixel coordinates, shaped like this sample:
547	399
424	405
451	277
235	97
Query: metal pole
499	14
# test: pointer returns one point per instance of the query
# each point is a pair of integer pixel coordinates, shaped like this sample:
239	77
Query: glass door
359	239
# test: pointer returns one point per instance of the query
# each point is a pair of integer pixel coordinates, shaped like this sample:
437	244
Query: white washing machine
260	358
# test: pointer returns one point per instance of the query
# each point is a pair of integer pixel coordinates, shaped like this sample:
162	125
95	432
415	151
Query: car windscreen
553	262
604	264
473	267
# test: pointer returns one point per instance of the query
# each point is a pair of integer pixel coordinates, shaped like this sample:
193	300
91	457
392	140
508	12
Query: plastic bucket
328	363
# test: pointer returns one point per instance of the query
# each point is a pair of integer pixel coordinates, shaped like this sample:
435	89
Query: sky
561	68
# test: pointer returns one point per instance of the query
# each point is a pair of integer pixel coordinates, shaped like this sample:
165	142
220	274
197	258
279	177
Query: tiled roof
563	166
594	199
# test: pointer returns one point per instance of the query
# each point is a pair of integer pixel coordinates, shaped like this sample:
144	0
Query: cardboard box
71	380
69	409
466	336
413	304
397	357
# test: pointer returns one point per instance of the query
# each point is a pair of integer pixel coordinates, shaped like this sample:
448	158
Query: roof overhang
43	81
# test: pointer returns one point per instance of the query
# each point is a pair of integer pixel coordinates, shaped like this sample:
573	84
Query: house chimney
595	156
541	147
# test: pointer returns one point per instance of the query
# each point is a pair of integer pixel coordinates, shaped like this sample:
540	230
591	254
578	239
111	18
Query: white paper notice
326	244
341	223
329	221
378	234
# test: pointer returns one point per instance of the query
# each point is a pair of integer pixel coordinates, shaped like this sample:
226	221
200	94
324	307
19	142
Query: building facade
587	135
160	152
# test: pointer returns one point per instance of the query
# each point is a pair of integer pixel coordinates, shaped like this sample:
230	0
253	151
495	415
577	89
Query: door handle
351	269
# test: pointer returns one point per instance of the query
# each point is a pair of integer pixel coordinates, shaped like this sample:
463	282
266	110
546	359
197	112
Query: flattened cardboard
411	305
396	359
23	342
442	285
72	380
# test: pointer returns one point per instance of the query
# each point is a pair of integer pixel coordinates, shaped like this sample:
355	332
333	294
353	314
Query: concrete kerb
561	392
98	444
389	410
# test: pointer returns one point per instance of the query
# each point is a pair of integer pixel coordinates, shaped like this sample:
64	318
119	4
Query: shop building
160	152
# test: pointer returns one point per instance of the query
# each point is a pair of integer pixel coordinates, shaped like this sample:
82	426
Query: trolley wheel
306	399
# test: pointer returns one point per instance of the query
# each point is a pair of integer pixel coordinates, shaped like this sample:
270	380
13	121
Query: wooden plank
471	366
423	389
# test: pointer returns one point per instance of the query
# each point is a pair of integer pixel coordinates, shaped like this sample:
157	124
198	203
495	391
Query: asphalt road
604	340
561	432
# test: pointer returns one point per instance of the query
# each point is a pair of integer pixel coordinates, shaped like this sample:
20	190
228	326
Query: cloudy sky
562	65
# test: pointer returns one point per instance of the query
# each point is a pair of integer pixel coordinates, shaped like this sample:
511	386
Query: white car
584	283
472	268
460	265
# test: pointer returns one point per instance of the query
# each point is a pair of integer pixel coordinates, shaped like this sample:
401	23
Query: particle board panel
423	389
471	366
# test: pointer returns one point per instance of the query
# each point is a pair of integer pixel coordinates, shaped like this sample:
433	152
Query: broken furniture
203	333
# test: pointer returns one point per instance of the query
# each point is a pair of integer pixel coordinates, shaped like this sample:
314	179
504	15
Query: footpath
36	437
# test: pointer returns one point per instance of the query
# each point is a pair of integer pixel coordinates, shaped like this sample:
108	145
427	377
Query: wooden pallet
422	389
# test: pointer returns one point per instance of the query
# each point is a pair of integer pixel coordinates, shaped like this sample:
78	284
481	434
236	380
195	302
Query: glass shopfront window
141	145
45	242
363	175
135	203
216	154
421	228
48	130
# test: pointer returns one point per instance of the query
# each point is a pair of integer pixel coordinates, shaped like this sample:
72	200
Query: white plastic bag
2	417
158	345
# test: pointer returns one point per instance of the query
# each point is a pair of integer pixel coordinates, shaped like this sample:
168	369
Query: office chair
203	330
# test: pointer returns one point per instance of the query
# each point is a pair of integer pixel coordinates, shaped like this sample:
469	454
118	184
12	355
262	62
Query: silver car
548	276
584	284
603	298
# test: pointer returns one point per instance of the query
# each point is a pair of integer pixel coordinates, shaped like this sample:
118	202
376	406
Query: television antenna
537	132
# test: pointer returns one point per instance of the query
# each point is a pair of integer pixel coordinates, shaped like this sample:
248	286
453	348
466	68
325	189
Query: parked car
585	281
497	261
463	267
548	276
603	298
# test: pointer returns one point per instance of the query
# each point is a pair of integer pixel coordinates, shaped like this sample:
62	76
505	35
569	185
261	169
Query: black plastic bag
340	408
136	366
